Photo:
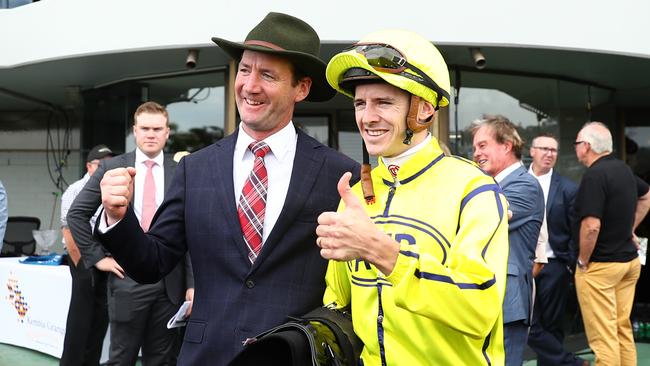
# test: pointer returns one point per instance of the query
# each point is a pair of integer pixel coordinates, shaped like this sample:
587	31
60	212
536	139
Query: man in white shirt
498	149
138	313
87	314
546	336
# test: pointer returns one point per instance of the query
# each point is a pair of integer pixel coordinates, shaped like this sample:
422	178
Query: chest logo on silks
411	232
393	169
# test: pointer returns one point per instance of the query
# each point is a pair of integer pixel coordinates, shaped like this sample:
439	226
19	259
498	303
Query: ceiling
56	83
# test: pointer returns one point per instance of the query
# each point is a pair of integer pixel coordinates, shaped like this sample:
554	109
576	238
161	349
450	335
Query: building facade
72	73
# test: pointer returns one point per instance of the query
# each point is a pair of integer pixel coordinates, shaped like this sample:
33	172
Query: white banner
34	302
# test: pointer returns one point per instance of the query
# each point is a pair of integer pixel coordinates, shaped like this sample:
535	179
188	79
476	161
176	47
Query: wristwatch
582	264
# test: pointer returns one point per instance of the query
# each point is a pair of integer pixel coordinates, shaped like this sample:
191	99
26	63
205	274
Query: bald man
610	203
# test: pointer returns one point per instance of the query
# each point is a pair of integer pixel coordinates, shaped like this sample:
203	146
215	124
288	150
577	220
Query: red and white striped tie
252	202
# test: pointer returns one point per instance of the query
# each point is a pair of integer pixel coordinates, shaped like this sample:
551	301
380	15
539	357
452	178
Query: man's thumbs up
349	199
350	234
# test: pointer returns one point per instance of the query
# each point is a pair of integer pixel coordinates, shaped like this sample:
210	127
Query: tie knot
259	148
149	163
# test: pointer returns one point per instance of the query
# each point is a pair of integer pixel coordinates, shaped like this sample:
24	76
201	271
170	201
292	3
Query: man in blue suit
552	284
497	150
240	291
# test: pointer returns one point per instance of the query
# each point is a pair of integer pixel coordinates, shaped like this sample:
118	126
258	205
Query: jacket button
250	283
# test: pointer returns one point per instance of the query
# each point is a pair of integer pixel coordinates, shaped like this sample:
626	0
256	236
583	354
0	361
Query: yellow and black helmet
401	58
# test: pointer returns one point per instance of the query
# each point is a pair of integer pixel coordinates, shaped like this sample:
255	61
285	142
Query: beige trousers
606	295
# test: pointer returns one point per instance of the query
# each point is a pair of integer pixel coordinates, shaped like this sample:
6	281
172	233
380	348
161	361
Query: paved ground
12	356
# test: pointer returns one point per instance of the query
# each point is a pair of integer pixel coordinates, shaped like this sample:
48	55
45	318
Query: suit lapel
168	170
306	165
129	160
221	166
552	190
510	177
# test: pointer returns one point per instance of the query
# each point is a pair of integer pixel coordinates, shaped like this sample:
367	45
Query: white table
34	302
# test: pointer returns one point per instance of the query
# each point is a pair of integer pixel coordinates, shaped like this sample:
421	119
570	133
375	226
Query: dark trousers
138	318
87	317
546	336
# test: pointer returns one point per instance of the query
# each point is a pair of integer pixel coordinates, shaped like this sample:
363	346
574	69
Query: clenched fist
117	190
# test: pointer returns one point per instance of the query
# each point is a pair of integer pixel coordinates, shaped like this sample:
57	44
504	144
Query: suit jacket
560	218
84	207
234	300
526	201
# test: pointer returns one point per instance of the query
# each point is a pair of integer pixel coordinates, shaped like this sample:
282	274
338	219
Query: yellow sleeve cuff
408	254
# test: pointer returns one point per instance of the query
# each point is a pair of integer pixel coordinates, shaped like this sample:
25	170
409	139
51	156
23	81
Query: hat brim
309	65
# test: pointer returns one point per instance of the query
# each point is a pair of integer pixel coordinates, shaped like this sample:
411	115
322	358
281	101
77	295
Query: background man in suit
87	314
497	150
138	313
610	203
546	336
252	270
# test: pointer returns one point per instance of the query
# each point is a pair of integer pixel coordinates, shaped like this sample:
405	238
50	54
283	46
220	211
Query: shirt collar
415	164
140	157
540	177
506	172
403	157
279	142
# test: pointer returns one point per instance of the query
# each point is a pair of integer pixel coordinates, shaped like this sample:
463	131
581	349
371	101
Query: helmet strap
413	125
366	179
408	137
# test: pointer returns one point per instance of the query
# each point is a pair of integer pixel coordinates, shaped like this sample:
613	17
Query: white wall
24	173
60	28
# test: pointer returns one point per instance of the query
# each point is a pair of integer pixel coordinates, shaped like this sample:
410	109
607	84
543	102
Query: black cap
99	152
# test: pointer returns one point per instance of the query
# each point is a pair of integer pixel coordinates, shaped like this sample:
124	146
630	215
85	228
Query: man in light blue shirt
4	213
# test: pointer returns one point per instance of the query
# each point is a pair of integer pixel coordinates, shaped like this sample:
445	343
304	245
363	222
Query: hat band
264	44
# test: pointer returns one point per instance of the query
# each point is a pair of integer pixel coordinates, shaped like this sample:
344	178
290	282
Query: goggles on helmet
386	58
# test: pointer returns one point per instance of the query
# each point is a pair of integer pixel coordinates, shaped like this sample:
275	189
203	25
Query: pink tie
148	197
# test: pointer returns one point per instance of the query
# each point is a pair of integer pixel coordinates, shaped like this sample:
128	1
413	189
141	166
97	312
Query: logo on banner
16	298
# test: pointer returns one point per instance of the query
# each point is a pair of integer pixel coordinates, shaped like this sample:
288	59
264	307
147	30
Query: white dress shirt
506	172
406	155
279	165
140	173
66	202
544	181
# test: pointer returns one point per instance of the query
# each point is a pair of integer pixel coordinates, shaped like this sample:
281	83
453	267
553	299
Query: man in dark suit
251	279
138	313
87	320
497	150
552	284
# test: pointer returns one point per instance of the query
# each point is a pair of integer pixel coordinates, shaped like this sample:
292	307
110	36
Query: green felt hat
289	37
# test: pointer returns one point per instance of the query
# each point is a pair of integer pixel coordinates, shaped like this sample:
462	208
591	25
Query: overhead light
478	58
192	58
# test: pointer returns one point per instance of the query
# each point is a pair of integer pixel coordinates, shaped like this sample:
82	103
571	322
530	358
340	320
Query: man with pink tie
138	313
